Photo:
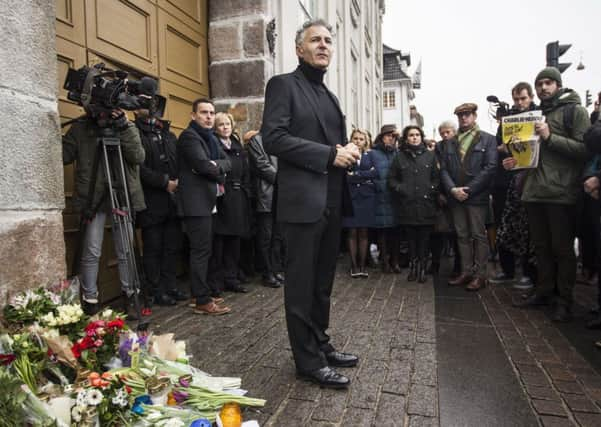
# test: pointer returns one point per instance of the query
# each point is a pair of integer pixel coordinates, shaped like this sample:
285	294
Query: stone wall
239	59
32	250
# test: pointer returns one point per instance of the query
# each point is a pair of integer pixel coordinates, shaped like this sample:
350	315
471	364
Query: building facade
397	91
256	38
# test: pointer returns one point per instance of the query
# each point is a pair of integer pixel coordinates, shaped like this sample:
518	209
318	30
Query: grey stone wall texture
32	250
239	58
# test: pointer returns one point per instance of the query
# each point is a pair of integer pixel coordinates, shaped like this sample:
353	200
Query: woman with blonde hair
363	195
232	219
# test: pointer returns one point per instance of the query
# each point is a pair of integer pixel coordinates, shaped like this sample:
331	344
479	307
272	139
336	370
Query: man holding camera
551	191
161	228
80	145
468	165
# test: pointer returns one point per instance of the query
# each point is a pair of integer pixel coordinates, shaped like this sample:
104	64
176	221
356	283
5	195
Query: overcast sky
473	48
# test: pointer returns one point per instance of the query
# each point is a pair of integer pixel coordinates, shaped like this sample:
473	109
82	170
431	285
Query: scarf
466	139
209	137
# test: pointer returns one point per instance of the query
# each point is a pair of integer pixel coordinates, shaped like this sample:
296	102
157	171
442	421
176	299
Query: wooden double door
164	39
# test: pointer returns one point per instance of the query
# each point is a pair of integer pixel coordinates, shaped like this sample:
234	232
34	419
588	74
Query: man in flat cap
468	165
551	191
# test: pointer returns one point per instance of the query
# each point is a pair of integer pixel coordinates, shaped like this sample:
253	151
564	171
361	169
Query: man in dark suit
202	168
304	127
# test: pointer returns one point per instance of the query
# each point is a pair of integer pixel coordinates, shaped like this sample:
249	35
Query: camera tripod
109	155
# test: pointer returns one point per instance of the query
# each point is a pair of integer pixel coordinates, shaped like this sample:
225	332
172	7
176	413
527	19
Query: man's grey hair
318	22
447	124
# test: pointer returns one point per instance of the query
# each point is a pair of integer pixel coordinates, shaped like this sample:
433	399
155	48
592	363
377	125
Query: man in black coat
468	165
304	127
202	168
161	228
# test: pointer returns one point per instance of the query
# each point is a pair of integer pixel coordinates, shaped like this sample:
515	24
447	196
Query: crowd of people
277	199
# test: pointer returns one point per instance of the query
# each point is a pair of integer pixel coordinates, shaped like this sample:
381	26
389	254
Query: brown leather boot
476	284
461	280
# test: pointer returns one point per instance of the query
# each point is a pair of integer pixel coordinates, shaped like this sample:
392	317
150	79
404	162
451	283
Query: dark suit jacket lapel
309	93
342	116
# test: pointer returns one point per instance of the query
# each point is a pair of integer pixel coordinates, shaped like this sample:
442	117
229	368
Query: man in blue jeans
80	145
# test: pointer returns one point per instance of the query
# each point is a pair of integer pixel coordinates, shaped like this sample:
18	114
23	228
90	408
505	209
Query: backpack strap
568	119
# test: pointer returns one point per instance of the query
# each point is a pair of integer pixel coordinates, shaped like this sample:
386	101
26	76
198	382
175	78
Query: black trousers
552	231
588	232
199	230
161	245
418	237
310	270
224	263
506	258
270	244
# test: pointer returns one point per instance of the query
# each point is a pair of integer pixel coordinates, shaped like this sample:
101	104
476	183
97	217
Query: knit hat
549	73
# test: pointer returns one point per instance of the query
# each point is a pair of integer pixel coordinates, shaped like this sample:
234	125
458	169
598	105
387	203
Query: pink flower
98	343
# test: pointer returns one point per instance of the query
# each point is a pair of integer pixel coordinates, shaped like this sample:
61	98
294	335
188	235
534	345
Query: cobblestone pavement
390	324
562	387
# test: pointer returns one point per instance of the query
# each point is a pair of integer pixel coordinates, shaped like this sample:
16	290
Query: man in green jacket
551	191
80	145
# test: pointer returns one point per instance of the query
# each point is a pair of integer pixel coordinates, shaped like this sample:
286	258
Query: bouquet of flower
68	319
100	341
29	306
104	397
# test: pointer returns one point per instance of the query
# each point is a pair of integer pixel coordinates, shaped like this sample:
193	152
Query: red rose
117	323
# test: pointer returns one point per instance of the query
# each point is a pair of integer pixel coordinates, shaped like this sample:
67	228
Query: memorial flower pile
60	367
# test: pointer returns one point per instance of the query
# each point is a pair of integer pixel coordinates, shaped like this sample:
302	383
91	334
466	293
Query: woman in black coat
414	178
232	219
360	180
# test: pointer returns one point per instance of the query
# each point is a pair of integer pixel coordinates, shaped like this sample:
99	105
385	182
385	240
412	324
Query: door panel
124	31
70	21
193	13
182	54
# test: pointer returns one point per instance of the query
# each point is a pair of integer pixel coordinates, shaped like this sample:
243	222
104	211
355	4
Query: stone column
239	59
32	249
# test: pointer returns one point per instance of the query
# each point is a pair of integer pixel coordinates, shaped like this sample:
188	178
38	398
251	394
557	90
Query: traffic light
589	98
554	51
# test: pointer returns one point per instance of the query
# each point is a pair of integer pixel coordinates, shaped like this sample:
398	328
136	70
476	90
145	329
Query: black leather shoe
237	288
533	301
178	295
90	308
561	314
325	377
341	360
270	281
280	278
164	300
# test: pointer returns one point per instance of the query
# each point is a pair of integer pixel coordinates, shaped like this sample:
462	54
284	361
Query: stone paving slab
392	325
388	322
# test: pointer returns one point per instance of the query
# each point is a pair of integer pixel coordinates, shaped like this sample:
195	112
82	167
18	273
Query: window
308	9
354	84
389	99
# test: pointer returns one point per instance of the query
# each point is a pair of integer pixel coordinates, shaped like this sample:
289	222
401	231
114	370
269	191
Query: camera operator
161	228
80	145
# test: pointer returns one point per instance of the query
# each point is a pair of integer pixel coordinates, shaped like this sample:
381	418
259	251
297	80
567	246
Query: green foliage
11	400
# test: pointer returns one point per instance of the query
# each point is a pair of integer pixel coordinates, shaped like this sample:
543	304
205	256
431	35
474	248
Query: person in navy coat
362	188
